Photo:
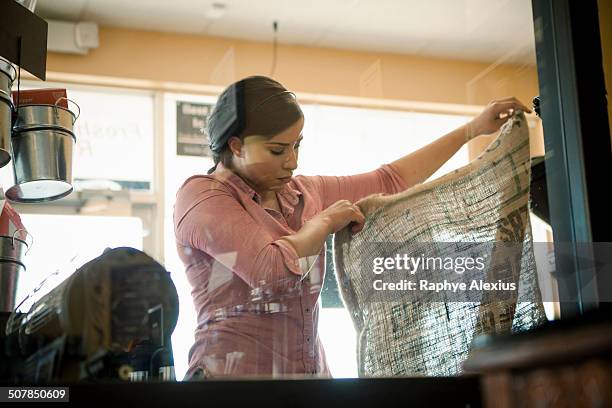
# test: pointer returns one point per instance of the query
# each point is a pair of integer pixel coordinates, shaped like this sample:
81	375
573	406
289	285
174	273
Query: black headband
227	118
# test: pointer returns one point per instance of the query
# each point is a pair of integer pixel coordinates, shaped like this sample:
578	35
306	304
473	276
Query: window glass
411	84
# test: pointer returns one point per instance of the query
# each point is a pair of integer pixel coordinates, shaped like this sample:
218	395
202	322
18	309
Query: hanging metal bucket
42	164
7	77
12	253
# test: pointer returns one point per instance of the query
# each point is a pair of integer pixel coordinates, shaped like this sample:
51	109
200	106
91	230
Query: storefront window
423	111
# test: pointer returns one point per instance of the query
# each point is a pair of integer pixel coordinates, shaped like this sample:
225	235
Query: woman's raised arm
418	166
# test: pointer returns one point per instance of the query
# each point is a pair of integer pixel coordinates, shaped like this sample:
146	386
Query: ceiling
479	30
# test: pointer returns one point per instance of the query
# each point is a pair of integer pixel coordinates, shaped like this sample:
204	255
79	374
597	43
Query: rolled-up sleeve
384	180
209	218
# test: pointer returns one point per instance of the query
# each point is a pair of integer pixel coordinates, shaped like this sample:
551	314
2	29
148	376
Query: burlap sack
485	201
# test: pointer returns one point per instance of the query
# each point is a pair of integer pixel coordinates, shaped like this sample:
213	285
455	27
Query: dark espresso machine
112	319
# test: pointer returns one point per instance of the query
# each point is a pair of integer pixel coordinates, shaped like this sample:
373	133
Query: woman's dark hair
254	105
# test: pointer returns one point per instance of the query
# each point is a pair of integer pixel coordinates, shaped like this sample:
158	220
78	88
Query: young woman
252	236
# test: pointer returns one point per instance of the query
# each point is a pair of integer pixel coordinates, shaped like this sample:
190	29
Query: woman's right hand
311	237
340	214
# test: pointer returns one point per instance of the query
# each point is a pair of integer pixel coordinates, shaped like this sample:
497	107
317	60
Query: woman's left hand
493	116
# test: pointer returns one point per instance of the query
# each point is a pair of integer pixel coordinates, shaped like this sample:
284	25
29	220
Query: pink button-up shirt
256	302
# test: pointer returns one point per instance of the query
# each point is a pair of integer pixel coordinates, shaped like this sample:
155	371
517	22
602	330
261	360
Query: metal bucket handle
68	100
27	235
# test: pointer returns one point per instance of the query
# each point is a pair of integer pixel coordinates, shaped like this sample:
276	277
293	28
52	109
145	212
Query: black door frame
577	143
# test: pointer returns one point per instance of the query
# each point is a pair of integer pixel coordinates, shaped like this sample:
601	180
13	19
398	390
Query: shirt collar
290	194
